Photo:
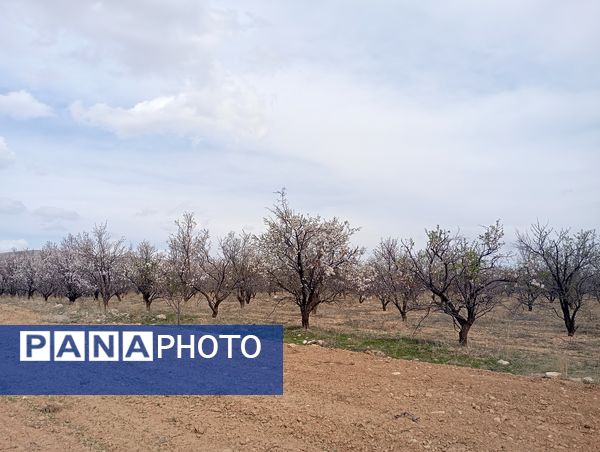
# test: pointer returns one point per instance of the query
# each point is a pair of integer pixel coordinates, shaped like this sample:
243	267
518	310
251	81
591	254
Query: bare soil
334	400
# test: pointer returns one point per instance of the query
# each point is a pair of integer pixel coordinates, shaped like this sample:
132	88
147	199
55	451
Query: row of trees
93	264
466	279
312	261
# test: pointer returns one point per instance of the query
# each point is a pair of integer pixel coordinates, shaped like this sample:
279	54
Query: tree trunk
147	301
568	317
214	307
403	315
72	298
105	303
244	297
305	312
463	334
530	307
571	327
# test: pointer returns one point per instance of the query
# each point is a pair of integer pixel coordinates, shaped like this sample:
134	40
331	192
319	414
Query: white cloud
6	155
230	107
56	213
22	105
9	245
11	206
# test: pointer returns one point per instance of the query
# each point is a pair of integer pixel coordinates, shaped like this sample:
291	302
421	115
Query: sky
395	115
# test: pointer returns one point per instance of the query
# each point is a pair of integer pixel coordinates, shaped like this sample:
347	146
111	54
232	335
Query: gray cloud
56	213
11	206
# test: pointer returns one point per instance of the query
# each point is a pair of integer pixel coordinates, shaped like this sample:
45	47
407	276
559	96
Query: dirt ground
333	400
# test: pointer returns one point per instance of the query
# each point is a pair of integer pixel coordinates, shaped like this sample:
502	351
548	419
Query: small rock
576	380
408	415
396	373
497	419
587	380
321	343
503	362
304	342
552	375
161	317
57	306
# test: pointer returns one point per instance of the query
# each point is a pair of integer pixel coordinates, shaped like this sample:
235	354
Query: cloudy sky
397	115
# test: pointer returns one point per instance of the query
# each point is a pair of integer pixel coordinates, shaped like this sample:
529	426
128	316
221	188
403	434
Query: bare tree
308	257
466	278
568	266
219	278
528	288
594	284
103	259
121	283
144	269
185	250
394	281
246	264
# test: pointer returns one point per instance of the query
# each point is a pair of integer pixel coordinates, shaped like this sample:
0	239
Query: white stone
588	380
552	374
503	362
